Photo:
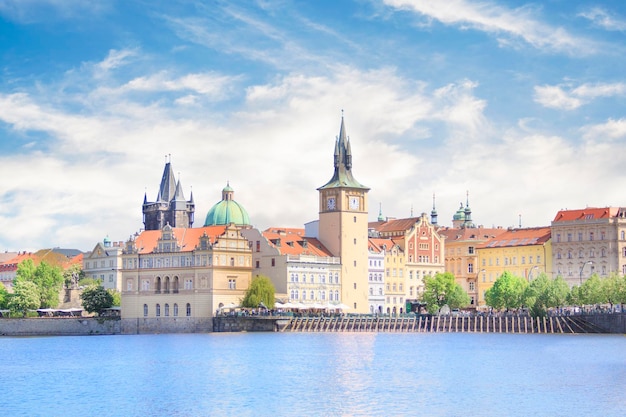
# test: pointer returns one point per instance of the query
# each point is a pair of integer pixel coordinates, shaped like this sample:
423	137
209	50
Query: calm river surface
319	374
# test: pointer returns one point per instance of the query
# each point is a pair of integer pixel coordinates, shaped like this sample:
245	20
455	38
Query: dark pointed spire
380	213
167	190
433	214
343	162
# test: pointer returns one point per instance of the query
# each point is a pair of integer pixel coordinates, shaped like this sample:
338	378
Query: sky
515	106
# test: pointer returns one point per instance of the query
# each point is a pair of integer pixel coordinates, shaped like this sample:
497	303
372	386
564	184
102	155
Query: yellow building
342	225
461	256
522	252
174	279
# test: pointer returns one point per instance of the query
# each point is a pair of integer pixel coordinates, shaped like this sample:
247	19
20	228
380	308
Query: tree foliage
117	297
543	293
443	289
96	298
507	292
4	297
25	297
47	279
261	290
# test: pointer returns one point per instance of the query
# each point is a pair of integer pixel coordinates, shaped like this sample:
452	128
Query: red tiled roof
519	237
293	242
394	225
589	213
187	238
379	243
470	233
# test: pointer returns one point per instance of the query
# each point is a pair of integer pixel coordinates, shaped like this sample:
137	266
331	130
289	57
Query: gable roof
519	237
589	213
477	234
187	238
291	241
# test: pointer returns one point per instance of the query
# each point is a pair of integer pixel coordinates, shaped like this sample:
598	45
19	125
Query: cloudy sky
520	103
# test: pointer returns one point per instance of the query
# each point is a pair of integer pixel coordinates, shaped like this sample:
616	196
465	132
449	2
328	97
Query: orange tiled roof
589	213
479	234
378	244
187	238
519	237
293	242
394	225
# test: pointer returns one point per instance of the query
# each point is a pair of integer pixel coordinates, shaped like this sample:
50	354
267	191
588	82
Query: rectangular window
470	250
471	286
232	284
470	268
273	262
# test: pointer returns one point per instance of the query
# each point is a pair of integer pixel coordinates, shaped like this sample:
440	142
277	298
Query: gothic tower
343	225
170	206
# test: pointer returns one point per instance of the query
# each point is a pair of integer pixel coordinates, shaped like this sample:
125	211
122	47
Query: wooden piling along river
427	323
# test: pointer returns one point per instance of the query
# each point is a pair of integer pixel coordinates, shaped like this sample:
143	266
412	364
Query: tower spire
342	176
433	213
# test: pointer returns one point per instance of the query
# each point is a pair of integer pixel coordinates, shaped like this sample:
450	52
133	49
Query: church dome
227	211
460	214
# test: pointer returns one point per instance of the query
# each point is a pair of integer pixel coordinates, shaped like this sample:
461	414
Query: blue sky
520	103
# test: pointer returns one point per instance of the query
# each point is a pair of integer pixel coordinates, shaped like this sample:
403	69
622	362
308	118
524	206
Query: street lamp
581	270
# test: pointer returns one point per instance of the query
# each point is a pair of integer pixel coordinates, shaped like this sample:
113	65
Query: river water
315	374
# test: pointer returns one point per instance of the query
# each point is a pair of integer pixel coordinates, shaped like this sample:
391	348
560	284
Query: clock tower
343	225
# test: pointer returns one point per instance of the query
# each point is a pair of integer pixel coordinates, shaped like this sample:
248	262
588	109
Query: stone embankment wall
167	325
66	326
610	323
249	324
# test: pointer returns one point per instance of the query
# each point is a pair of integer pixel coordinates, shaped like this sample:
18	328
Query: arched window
167	310
297	295
336	295
175	310
292	295
145	310
312	294
232	261
188	310
623	235
158	310
304	295
167	285
175	285
157	286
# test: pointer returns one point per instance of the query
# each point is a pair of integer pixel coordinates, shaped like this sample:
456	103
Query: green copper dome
460	214
227	211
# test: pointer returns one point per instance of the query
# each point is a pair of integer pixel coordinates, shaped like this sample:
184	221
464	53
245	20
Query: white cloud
605	132
604	19
506	24
36	11
567	97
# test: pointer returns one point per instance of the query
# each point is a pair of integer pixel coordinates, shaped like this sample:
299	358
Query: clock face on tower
330	203
354	203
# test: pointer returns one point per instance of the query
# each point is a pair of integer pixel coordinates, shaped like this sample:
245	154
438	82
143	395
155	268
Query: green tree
96	298
117	297
25	297
592	291
507	292
543	293
261	290
4	297
443	289
47	279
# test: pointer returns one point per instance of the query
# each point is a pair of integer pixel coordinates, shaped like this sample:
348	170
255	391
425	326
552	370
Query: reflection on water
326	374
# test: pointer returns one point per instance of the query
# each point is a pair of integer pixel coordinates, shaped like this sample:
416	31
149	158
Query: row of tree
511	292
39	286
